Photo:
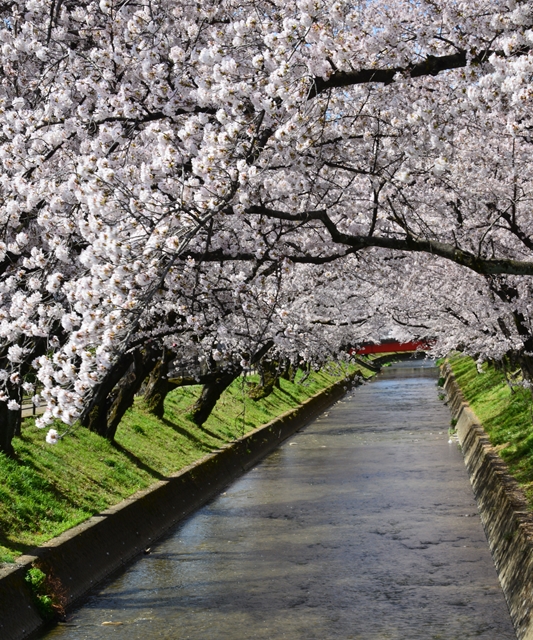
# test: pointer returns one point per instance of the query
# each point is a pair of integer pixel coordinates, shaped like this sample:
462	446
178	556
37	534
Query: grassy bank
506	414
48	489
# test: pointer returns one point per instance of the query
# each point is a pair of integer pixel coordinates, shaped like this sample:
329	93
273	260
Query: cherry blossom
215	177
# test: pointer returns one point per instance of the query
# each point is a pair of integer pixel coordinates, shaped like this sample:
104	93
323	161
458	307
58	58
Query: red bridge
392	347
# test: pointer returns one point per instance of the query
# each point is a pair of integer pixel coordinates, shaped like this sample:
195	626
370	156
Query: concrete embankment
87	554
504	512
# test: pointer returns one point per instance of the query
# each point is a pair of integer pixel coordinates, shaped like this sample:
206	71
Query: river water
361	526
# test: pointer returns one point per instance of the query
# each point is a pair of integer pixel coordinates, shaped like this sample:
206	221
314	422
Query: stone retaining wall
87	554
504	513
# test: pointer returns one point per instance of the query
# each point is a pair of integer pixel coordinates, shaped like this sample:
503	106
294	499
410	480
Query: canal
361	526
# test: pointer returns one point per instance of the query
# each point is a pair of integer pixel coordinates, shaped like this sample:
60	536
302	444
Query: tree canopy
225	179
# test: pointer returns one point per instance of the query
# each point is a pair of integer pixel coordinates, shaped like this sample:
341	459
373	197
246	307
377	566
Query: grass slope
48	489
505	413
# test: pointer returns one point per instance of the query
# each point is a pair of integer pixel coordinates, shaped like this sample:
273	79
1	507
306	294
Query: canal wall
94	550
503	509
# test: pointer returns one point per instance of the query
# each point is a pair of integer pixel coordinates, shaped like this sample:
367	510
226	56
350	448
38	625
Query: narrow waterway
361	526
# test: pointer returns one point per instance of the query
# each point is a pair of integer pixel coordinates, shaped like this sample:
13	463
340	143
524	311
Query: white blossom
52	437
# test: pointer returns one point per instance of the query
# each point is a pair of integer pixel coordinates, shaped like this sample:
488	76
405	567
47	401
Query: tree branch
430	66
484	266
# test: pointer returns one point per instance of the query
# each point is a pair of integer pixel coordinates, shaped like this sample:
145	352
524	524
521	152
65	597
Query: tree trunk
9	428
289	371
116	392
269	378
95	415
211	392
306	369
10	421
143	363
16	418
158	385
509	294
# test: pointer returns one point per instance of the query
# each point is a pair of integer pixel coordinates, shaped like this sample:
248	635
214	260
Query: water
362	526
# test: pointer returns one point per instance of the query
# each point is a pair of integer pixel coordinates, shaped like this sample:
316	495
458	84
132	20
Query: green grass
48	489
505	414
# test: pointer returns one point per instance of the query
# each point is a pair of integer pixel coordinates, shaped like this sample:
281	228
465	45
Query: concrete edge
504	512
85	555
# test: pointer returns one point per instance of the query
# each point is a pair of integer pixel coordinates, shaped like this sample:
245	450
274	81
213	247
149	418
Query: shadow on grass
201	444
15	548
212	434
38	487
63	498
293	398
138	462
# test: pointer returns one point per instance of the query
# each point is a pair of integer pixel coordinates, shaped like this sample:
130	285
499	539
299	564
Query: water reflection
418	367
362	526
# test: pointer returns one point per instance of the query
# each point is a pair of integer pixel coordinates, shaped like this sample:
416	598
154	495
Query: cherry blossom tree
166	164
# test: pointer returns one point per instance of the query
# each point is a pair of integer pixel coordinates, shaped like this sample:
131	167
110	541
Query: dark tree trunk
509	294
95	415
16	418
306	369
9	428
116	392
143	363
10	421
159	385
268	379
289	371
293	370
211	392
